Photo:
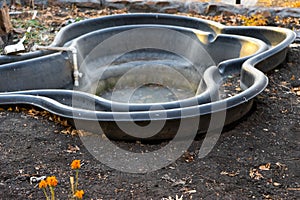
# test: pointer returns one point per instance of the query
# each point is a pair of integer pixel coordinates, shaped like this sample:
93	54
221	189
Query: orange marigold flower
43	184
52	181
79	194
75	164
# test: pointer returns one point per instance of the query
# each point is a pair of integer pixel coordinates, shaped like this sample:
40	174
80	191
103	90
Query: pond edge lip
257	77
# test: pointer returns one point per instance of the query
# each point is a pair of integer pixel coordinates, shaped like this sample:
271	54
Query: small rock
276	184
196	7
288	12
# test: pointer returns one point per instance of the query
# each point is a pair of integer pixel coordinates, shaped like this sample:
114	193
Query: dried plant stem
45	193
52	193
72	184
76	180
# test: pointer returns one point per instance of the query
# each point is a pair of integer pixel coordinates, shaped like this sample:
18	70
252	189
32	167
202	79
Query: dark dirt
269	134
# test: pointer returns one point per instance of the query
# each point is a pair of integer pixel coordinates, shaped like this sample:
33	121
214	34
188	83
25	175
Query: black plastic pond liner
45	78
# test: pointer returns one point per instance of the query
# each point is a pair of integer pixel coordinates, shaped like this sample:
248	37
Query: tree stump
6	28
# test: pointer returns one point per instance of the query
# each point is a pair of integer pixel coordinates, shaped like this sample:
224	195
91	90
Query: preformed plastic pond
145	68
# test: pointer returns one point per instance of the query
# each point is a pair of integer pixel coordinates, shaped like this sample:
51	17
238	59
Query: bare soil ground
257	158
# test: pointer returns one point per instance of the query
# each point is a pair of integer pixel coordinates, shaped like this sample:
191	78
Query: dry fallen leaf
80	133
267	197
32	112
67	130
238	89
227	84
17	109
176	198
190	192
251	173
231	174
296	90
44	113
265	167
281	166
254	173
284	83
293	78
258	176
73	149
293	189
188	157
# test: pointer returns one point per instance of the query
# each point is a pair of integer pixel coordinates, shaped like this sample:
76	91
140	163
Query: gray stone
196	7
289	12
217	9
266	12
82	3
79	3
212	9
166	6
26	2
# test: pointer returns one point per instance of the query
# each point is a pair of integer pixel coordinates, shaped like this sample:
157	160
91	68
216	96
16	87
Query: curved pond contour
145	68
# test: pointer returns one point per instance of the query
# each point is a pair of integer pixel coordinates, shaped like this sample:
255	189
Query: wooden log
6	27
5	23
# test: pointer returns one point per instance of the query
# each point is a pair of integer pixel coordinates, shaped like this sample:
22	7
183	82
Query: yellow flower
52	181
79	194
42	184
75	164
